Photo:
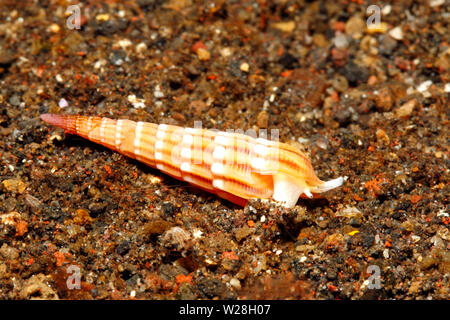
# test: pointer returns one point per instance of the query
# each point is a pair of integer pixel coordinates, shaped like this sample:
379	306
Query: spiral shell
233	166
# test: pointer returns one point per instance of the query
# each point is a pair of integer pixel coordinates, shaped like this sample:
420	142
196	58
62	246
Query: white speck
124	43
365	284
226	52
100	63
447	87
245	67
63	103
141	47
442	213
157	92
340	40
263	219
386	253
396	33
133	294
235	283
136	102
11	167
436	3
278	252
197	234
386	10
59	78
303	259
272	98
303	140
424	86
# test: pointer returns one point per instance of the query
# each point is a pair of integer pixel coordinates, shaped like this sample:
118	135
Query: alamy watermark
74	278
375	15
74	20
374	281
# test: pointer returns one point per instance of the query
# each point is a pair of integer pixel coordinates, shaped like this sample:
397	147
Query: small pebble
424	86
102	17
386	9
244	67
355	27
14	100
436	3
14	185
235	283
340	41
447	88
63	103
136	102
262	120
157	92
406	109
203	54
396	33
54	28
141	47
287	26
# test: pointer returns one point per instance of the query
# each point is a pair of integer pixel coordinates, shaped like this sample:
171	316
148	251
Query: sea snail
233	166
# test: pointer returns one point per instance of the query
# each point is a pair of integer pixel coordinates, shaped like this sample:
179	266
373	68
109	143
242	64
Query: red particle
339	26
332	288
335	96
21	228
415	198
286	73
107	169
230	255
181	278
197	46
60	258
